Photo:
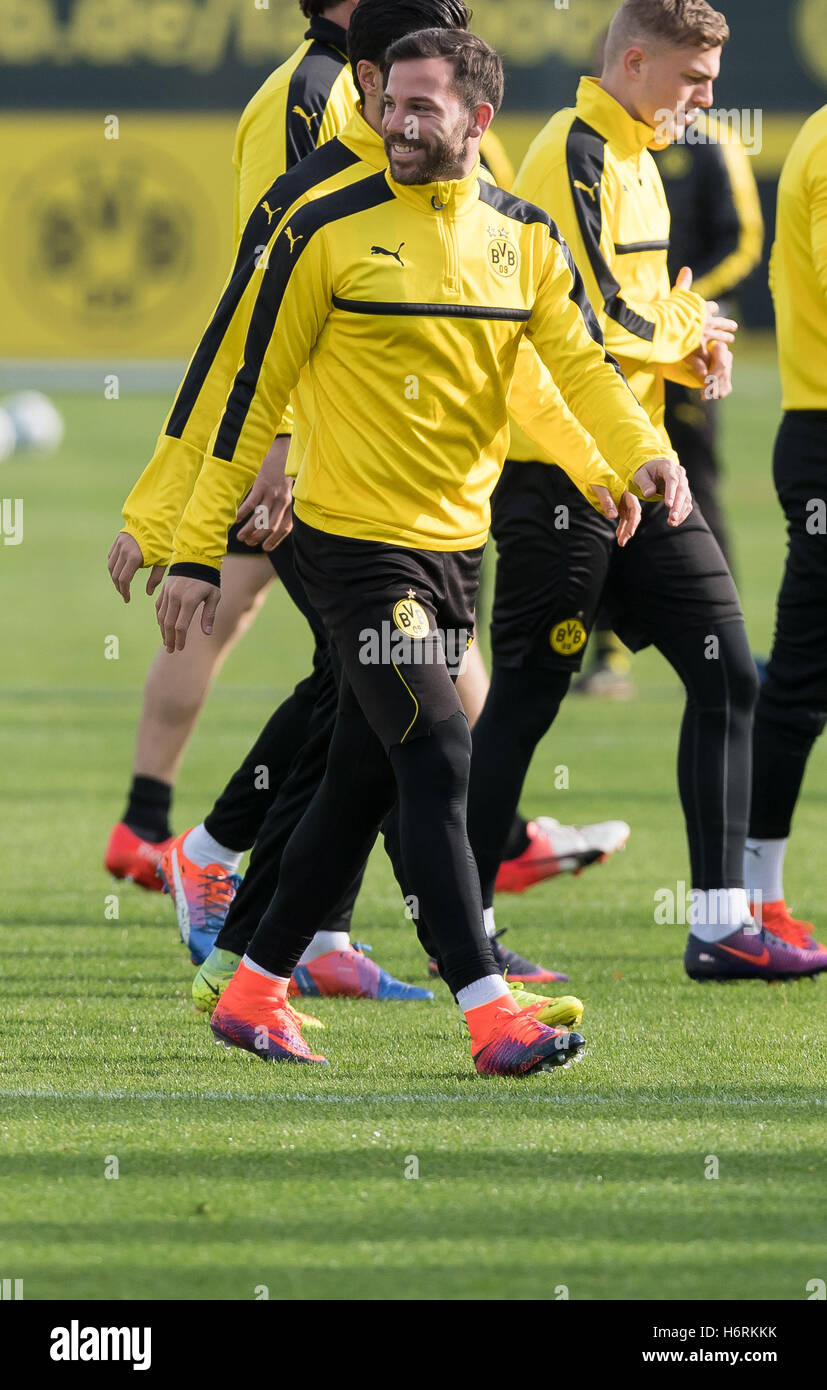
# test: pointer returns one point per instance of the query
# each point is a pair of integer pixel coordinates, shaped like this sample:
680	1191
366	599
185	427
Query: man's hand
665	478
627	515
718	382
716	329
272	493
123	562
177	604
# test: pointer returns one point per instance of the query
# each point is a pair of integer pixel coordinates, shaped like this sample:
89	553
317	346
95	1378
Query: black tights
714	753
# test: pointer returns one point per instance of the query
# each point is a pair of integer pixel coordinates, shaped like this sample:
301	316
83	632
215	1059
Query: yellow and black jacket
798	269
405	308
717	224
590	168
302	105
154	506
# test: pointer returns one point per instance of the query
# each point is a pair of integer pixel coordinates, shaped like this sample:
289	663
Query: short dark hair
376	24
478	70
310	8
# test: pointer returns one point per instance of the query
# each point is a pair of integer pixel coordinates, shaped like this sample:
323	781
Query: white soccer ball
38	424
8	438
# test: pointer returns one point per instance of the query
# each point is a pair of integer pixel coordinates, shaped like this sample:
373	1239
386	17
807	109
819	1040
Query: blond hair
673	23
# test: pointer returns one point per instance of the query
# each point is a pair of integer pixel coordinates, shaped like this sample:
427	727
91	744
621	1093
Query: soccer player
199	866
671	588
423	271
717	229
303	104
792	704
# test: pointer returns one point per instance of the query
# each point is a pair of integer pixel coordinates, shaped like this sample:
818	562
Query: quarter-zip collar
611	120
325	31
452	197
364	141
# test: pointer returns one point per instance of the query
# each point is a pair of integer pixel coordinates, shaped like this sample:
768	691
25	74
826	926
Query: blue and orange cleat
519	1044
130	857
351	975
779	921
249	1016
201	897
560	849
750	953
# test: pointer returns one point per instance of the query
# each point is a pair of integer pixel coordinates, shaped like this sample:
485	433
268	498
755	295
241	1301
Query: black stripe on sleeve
285	256
628	248
324	164
307	98
585	160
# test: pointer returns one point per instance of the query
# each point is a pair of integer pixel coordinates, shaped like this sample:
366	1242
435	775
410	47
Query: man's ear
370	78
481	119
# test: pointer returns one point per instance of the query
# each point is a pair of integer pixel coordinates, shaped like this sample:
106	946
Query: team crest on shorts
410	617
568	638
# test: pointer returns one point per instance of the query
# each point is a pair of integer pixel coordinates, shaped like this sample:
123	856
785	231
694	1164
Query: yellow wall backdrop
112	246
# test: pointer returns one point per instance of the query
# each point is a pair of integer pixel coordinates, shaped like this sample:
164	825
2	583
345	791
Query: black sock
147	810
518	840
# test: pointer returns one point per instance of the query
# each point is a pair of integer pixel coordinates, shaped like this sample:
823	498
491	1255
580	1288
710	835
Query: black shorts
558	560
401	621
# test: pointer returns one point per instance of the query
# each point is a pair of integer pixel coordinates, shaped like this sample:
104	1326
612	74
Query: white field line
423	1097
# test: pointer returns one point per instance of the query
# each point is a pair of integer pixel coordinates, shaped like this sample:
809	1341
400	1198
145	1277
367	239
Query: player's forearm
201	536
155	505
673	329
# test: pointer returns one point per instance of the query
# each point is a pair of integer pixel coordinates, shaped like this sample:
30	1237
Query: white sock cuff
259	970
483	991
488	919
202	849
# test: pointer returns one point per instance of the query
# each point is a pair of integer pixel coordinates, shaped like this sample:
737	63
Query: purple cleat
749	953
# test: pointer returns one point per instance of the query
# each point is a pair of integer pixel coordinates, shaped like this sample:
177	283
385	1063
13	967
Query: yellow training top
590	169
302	105
154	506
798	269
407	306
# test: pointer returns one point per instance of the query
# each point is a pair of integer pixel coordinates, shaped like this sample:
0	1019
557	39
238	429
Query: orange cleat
201	897
136	860
517	1044
251	1015
554	849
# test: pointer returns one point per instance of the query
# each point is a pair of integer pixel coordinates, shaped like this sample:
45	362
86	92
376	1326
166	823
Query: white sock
323	942
488	919
717	912
483	991
764	868
259	970
202	849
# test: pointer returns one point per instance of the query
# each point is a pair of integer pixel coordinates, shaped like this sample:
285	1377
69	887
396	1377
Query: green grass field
233	1175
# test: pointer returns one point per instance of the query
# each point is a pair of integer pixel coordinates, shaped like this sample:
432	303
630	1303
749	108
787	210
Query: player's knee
742	679
439	764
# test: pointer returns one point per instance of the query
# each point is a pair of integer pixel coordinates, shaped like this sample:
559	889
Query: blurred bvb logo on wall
106	241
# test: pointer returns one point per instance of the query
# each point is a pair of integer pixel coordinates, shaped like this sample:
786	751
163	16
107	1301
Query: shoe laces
791	933
214	893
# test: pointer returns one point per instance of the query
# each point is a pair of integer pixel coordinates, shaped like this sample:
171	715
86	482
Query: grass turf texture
233	1174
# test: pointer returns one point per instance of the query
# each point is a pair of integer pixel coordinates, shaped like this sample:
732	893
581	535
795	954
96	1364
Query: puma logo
297	111
271	212
585	187
394	255
294	240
